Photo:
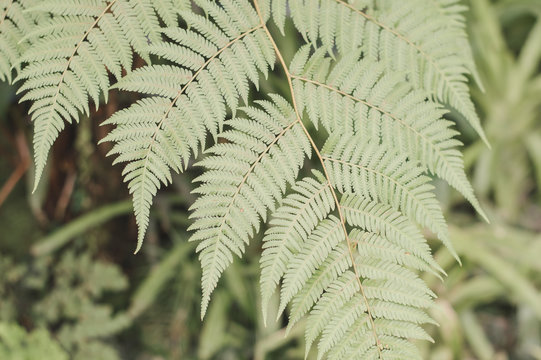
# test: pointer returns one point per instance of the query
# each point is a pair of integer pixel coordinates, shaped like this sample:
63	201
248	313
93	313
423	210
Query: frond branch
179	94
318	154
370	105
423	53
251	169
79	44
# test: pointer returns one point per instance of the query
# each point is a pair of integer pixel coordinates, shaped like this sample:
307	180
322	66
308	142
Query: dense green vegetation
70	286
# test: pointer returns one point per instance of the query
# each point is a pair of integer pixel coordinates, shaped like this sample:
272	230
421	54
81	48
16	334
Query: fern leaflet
14	25
244	179
438	67
160	133
379	103
72	51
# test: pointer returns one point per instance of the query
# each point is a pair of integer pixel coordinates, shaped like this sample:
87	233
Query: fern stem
351	247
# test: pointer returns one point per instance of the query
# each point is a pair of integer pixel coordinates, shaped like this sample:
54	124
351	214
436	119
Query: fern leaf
169	10
383	175
395	227
379	103
208	77
14	25
346	317
310	202
451	13
279	10
374	246
344	245
335	296
335	264
78	43
315	250
439	68
376	299
244	179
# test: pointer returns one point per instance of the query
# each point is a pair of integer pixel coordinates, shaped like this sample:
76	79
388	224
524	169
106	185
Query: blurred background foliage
70	287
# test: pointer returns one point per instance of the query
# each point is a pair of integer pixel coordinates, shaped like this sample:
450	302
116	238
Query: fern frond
78	44
401	34
344	245
186	99
336	263
350	315
374	246
314	251
14	25
451	13
310	202
244	179
369	100
377	172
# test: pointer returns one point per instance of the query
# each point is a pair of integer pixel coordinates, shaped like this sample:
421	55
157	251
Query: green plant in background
16	343
511	101
66	297
332	176
493	271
